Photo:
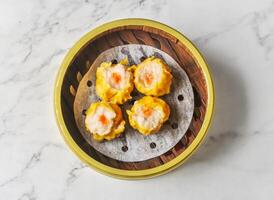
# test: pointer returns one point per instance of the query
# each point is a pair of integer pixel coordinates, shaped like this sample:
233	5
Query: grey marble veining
235	161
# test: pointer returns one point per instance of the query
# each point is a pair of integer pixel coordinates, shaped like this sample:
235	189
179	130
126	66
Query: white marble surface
235	162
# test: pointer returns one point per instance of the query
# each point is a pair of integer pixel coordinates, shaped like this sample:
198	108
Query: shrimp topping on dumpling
148	114
104	120
114	82
152	77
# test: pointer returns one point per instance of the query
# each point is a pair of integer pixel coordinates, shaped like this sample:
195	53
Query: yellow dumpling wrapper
148	114
114	82
104	121
153	77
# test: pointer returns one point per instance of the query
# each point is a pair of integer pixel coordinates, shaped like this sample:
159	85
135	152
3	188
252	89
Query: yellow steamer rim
133	174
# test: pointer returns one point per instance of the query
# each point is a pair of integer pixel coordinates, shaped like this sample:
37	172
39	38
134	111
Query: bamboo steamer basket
133	31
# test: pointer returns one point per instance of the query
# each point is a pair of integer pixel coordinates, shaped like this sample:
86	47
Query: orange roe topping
103	119
147	111
116	78
148	78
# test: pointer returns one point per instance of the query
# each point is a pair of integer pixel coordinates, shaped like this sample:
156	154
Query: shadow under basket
133	31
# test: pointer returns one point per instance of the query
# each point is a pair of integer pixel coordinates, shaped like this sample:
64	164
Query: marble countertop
235	161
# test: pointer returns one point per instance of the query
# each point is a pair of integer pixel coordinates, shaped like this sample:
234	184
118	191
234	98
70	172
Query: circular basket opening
134	31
